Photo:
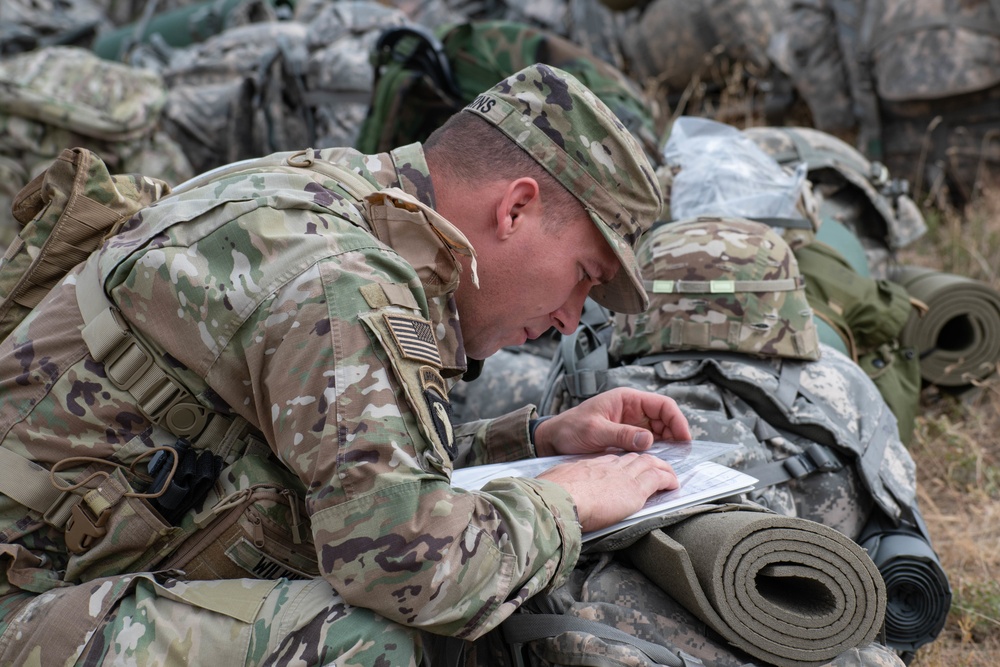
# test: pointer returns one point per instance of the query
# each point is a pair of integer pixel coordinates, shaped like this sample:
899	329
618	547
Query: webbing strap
723	286
353	183
585	361
26	482
130	367
522	628
866	101
815	458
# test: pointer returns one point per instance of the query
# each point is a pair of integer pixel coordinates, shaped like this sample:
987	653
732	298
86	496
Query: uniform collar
412	176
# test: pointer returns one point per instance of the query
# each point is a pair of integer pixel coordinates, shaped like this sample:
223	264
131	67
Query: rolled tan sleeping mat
787	591
958	337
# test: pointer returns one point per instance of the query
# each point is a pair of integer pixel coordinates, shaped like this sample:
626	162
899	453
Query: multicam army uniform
274	296
307	396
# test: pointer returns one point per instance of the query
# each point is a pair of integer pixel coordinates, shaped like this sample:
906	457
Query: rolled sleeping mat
785	590
958	338
917	588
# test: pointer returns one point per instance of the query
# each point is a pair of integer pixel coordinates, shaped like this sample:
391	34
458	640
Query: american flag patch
414	337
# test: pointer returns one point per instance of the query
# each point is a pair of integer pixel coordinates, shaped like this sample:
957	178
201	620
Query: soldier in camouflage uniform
729	335
305	314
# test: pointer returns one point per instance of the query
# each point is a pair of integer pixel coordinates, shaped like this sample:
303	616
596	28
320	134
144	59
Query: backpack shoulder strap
132	367
308	159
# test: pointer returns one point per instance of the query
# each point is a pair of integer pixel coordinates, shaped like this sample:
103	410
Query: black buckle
815	458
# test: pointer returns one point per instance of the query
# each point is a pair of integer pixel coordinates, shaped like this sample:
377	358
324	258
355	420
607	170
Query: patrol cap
723	284
576	138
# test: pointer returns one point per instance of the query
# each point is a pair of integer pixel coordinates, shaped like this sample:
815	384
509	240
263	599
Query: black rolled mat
787	591
917	589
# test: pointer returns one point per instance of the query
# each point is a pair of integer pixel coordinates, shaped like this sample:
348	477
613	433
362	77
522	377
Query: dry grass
957	450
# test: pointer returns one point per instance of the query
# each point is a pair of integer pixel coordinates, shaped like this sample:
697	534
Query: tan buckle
83	528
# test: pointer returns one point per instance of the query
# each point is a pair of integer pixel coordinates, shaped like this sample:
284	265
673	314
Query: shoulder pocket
411	346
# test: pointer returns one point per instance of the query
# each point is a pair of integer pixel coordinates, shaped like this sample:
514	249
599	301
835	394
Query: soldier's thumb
633	438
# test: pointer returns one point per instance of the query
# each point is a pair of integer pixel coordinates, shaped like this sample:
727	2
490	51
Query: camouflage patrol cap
576	138
723	284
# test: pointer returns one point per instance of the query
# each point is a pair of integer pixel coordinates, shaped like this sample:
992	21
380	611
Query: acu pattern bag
934	67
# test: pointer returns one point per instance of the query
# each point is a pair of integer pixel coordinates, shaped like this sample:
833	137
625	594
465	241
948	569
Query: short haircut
473	151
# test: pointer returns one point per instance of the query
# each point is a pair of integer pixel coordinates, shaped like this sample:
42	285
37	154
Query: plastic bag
723	173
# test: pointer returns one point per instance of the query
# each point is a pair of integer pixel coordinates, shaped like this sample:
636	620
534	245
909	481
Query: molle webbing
131	367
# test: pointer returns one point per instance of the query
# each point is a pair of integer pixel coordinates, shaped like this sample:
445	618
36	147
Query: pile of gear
780	318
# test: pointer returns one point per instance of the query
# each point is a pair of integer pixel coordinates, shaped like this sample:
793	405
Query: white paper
701	480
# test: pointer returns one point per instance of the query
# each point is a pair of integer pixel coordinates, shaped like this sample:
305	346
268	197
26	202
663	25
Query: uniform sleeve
348	391
496	440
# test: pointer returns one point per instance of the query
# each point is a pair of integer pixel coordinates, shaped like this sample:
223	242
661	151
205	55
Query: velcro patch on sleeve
414	337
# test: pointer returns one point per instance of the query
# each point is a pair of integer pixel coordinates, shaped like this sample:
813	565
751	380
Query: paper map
701	480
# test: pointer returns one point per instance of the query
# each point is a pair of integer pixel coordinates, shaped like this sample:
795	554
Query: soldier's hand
608	488
626	419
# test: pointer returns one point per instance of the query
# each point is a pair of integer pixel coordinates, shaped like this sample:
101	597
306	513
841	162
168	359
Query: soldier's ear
519	205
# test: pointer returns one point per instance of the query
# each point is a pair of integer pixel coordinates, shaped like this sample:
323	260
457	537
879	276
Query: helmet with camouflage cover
725	284
834	167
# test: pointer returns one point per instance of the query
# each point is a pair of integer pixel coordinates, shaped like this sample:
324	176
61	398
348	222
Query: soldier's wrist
533	427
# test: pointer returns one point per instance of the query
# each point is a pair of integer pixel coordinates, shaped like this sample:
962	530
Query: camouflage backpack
728	336
58	97
918	82
858	310
212	500
271	86
858	193
422	78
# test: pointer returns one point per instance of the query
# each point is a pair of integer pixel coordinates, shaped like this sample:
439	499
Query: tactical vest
217	504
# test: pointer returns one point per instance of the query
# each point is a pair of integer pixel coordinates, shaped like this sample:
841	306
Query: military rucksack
58	97
867	317
64	213
423	77
270	86
935	125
